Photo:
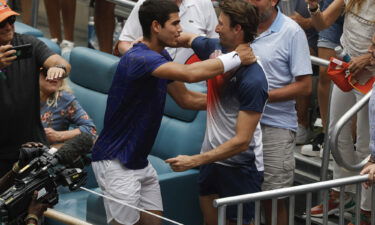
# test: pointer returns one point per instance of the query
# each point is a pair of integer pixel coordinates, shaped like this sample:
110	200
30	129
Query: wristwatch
60	66
314	11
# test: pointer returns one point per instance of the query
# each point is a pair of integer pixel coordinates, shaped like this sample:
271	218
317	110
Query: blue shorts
325	43
228	181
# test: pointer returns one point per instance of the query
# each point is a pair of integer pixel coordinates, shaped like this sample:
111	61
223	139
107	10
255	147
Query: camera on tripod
45	169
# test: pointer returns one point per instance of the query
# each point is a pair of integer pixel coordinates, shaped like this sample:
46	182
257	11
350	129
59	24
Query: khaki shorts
278	157
138	188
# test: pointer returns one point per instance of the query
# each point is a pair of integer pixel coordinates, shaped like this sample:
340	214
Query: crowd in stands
254	62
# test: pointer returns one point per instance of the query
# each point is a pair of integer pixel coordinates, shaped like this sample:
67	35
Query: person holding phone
19	87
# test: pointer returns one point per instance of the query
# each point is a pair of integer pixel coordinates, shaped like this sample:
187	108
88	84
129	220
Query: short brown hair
243	13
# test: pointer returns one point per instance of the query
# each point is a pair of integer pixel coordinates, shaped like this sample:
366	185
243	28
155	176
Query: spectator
67	8
359	26
140	85
27	6
104	18
369	168
284	52
19	86
60	110
232	149
302	17
197	17
328	39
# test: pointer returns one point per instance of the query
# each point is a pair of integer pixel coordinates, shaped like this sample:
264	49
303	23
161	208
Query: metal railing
290	192
332	141
324	186
124	3
325	160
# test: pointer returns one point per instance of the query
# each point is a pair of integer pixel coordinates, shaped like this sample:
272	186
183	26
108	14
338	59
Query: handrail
125	3
289	191
34	12
318	61
336	130
325	161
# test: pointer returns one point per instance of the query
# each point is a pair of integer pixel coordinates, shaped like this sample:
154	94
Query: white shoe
302	136
54	40
318	123
66	46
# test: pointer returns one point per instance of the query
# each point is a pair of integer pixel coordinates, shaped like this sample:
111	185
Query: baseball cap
6	11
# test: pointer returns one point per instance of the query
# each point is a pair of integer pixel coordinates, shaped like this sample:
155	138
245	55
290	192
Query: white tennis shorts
138	188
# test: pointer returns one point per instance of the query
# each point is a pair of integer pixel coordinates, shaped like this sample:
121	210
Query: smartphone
22	51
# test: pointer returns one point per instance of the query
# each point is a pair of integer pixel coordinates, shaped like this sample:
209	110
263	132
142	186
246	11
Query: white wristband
230	61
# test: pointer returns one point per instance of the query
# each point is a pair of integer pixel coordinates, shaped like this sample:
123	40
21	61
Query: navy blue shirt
134	110
227	94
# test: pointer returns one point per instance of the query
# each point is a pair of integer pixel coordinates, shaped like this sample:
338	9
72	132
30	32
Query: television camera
43	170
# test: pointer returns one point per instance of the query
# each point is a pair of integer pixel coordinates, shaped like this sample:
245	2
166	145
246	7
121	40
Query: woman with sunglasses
60	110
19	88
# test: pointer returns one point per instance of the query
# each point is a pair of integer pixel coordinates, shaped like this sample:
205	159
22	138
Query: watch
314	11
61	66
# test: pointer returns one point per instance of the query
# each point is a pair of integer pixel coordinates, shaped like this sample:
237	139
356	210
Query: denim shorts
325	43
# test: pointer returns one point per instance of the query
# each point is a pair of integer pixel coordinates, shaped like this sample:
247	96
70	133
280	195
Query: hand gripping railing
333	140
307	189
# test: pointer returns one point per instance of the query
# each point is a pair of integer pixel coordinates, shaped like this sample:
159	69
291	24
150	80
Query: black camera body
44	173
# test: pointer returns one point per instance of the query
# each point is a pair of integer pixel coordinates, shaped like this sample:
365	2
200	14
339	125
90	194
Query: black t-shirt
19	99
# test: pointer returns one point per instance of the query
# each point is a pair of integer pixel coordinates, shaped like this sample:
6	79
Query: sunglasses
9	20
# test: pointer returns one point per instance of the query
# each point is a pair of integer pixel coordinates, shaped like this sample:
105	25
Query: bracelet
33	217
313	11
230	61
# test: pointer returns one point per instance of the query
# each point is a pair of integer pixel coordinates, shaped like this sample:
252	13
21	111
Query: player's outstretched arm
246	124
207	69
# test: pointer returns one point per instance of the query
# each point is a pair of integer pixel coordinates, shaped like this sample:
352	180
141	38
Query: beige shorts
278	157
138	188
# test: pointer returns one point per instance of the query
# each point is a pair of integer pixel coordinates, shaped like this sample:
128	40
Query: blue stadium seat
22	28
52	45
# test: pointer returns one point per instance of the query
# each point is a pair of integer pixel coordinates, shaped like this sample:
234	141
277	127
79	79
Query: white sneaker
66	46
54	40
302	136
318	123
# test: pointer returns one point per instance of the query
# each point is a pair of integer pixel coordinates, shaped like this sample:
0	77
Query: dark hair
158	10
243	13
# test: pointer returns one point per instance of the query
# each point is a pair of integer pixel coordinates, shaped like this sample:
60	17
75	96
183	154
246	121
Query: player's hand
245	52
181	163
52	135
6	56
369	169
55	73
